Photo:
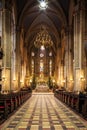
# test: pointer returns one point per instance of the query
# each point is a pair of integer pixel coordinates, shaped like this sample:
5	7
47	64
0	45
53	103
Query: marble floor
44	112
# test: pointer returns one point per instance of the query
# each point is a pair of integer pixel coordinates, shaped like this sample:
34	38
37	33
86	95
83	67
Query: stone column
85	43
59	66
13	59
0	22
18	58
6	40
66	58
70	59
22	56
56	67
78	47
1	54
27	74
62	74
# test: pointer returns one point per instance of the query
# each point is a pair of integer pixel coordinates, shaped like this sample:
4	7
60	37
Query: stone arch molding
53	10
58	11
71	9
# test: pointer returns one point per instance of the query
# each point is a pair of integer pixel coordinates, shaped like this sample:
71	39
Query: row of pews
11	102
77	102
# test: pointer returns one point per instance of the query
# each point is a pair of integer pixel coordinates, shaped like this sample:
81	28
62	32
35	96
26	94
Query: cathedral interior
43	64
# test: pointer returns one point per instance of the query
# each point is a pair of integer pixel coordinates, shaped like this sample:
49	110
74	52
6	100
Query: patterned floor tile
34	127
9	129
58	127
44	112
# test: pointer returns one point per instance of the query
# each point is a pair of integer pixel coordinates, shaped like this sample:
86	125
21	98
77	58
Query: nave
44	112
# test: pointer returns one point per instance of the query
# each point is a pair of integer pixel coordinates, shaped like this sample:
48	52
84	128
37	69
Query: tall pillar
13	57
86	46
27	74
56	67
21	55
1	51
85	43
6	40
78	48
59	66
66	59
70	59
18	58
62	73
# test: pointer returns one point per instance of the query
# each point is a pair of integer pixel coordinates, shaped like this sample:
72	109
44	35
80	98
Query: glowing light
42	47
43	4
14	79
63	81
32	54
50	54
53	81
30	80
21	81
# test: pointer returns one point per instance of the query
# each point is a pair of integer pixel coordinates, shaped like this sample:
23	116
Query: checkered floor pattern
44	112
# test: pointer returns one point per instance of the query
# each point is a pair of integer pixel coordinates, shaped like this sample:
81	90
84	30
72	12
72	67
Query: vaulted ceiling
30	17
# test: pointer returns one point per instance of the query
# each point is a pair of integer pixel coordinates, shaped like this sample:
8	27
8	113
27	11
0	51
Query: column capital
7	5
81	5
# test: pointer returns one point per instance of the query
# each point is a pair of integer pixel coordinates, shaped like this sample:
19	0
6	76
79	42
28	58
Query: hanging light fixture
43	4
43	38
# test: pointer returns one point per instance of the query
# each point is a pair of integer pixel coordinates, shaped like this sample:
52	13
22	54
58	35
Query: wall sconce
30	80
3	78
21	81
63	81
71	80
14	79
82	78
53	81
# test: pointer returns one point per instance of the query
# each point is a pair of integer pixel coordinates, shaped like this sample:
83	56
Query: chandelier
43	38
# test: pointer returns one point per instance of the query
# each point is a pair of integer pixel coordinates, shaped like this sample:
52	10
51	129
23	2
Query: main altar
42	87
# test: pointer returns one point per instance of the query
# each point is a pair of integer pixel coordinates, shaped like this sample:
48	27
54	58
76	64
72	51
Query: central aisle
44	112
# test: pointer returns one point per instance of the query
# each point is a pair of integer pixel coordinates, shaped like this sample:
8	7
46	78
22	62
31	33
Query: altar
42	88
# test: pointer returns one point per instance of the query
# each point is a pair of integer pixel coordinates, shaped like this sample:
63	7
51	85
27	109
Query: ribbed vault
31	17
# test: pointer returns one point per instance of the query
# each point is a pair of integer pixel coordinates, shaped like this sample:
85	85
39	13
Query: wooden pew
84	107
10	102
